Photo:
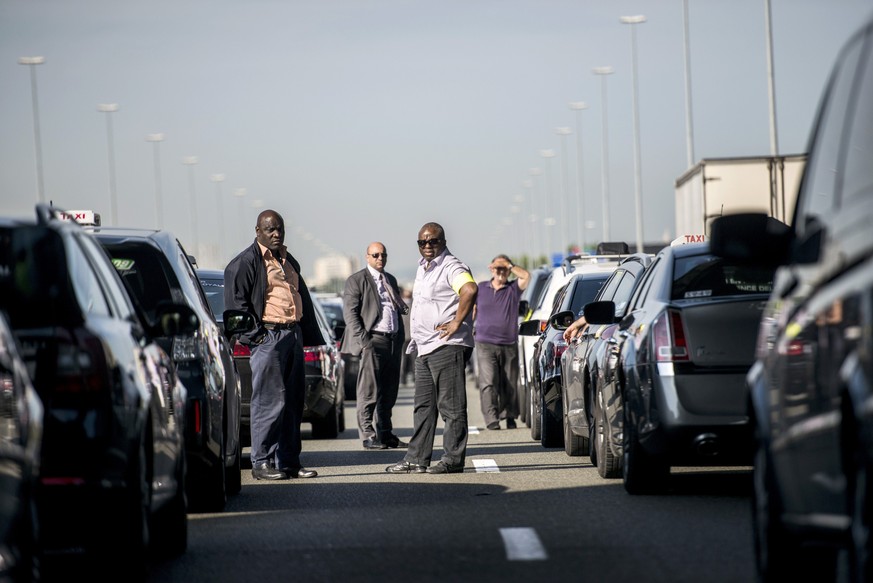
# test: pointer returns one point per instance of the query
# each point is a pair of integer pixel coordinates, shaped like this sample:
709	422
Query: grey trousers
498	379
440	387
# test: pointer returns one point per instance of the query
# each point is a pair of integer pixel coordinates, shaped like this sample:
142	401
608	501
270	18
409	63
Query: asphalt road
527	514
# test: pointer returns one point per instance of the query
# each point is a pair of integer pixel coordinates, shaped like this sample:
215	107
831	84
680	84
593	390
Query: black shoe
442	468
299	472
510	424
394	442
494	425
405	467
371	443
264	471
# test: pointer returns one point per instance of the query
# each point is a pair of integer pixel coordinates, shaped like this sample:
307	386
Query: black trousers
378	382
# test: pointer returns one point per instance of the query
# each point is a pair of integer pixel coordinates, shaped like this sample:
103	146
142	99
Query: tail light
560	348
80	366
241	350
668	336
313	354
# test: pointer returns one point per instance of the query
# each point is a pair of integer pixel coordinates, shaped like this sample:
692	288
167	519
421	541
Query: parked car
156	269
529	298
587	359
682	353
112	464
324	398
21	427
541	308
547	411
811	386
333	308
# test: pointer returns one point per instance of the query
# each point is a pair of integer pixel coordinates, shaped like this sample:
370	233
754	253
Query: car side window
607	292
622	294
643	289
85	283
115	290
819	184
858	173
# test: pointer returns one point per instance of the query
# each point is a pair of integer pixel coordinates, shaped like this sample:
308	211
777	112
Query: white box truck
719	186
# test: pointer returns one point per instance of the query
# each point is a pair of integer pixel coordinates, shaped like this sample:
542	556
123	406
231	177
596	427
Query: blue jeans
440	387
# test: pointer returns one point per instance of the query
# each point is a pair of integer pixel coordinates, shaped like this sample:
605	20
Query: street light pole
638	179
689	127
604	158
156	139
535	220
578	107
191	161
565	194
549	220
109	109
218	179
240	193
771	85
37	142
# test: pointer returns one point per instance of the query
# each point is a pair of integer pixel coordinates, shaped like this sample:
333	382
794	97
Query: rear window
584	293
214	290
704	276
147	275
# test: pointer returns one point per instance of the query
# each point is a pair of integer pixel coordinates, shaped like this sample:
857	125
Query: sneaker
494	425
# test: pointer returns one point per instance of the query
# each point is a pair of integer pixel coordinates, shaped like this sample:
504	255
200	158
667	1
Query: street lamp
578	107
156	139
539	235
565	203
240	193
771	84
638	179
549	220
218	179
689	127
37	143
517	209
604	157
109	109
191	161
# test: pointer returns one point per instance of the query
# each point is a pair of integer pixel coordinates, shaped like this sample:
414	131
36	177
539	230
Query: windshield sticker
704	293
123	264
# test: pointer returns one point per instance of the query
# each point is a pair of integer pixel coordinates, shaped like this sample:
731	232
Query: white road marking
472	430
523	544
486	466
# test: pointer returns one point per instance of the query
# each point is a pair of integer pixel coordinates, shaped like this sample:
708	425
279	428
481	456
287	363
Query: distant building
330	272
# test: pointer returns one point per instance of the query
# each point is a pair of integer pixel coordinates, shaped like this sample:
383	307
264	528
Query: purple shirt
497	313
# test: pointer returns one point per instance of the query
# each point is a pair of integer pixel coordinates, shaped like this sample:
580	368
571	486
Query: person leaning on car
265	281
373	312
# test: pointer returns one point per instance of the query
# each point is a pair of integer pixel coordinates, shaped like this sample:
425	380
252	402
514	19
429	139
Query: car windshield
146	274
703	276
585	292
214	290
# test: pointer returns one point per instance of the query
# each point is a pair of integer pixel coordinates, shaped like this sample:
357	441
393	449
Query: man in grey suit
373	312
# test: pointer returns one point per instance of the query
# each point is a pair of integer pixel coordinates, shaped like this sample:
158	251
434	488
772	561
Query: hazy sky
360	120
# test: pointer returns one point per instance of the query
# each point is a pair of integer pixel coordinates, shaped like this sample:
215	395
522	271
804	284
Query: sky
361	120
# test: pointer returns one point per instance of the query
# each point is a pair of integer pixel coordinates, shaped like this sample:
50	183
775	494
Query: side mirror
751	239
562	320
529	328
600	312
237	322
175	320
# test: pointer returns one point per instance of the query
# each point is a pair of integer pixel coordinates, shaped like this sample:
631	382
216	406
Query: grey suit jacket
362	308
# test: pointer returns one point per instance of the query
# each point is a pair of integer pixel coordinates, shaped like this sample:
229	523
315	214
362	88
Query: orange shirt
283	302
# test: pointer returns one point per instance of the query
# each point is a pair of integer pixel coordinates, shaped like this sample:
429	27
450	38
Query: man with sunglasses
373	312
444	294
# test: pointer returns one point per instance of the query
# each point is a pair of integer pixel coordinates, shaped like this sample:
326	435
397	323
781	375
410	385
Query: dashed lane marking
523	544
472	430
483	466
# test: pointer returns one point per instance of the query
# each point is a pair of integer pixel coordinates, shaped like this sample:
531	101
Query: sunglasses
378	255
432	242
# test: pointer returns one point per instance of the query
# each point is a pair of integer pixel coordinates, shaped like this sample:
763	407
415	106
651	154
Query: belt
279	325
385	334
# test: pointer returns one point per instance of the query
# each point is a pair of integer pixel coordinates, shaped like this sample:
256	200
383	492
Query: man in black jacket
265	281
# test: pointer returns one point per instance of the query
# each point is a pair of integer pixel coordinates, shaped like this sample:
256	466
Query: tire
233	474
608	465
169	531
525	399
328	427
212	489
551	432
341	421
534	418
574	445
642	472
128	548
520	397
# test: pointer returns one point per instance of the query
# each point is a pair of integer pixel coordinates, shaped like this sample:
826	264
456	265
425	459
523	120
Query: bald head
377	256
270	230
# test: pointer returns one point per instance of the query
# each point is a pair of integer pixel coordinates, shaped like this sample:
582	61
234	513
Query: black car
156	269
112	463
811	386
21	426
682	352
586	358
324	399
547	413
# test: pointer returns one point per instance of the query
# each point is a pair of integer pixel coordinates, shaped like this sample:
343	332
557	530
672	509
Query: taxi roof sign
83	217
683	239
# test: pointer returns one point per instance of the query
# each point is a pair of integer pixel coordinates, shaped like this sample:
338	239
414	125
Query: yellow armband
460	280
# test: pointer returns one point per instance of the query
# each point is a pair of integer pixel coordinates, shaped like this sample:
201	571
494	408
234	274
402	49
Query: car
540	309
324	401
586	359
155	268
546	410
111	487
682	352
811	385
333	308
21	427
530	296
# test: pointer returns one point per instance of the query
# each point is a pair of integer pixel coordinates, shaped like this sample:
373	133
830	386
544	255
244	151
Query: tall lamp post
191	161
565	194
604	157
109	109
240	194
638	179
549	219
37	142
579	107
771	84
156	139
539	235
689	127
218	179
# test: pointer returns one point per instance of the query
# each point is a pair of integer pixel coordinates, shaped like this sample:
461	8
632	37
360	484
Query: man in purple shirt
496	333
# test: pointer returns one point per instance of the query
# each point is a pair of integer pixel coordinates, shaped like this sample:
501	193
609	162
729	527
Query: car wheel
210	493
534	416
551	432
129	551
233	474
858	481
341	418
574	445
328	427
520	396
642	472
608	465
525	399
169	531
